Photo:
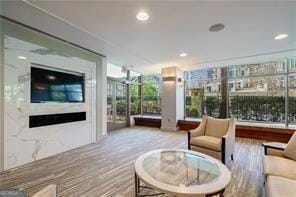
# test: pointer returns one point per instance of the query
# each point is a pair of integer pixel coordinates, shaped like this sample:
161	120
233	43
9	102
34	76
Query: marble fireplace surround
23	144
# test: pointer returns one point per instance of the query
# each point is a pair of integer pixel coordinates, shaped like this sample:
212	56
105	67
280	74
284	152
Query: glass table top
179	168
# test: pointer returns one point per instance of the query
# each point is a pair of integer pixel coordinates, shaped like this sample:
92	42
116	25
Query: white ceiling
176	27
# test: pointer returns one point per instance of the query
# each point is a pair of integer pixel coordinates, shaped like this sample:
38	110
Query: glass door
110	106
121	103
116	105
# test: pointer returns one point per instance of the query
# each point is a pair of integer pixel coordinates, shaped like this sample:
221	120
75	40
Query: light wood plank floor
105	168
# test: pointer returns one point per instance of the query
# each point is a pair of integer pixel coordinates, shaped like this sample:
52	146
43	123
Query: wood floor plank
106	168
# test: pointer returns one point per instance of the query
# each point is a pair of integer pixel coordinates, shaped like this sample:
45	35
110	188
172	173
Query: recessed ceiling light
217	27
280	36
142	16
183	54
22	57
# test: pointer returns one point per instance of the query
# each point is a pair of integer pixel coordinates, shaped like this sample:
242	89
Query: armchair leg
223	151
189	147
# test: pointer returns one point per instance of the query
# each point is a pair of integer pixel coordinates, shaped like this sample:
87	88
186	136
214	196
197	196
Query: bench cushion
279	166
280	187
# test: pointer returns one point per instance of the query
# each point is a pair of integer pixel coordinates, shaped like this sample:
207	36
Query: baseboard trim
249	131
243	131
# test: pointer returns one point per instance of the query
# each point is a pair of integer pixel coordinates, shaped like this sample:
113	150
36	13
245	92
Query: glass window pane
292	98
203	93
291	63
135	99
203	75
259	99
273	67
110	104
151	94
134	77
193	105
120	102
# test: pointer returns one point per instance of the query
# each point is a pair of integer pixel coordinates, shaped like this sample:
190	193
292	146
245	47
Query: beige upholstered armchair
214	137
279	167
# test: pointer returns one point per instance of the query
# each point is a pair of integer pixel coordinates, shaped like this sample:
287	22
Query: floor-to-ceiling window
291	64
260	92
130	93
203	92
151	94
257	92
135	92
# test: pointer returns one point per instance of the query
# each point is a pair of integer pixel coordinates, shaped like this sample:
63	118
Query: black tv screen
56	86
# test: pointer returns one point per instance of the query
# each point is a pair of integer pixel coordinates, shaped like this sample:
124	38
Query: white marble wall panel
23	144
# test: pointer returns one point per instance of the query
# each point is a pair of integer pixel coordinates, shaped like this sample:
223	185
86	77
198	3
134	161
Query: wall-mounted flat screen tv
52	85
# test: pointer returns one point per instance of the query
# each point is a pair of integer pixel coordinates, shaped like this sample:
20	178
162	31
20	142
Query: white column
1	101
172	98
101	98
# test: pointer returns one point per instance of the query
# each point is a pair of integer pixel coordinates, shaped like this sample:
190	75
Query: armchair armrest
200	130
231	130
197	132
274	148
194	133
228	142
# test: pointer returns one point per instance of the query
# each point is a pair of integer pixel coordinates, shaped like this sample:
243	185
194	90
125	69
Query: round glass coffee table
180	173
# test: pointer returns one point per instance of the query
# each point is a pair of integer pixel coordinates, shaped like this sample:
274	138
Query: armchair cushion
216	127
208	142
290	150
279	166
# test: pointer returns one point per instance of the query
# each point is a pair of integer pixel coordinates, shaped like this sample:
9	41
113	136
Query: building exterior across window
261	92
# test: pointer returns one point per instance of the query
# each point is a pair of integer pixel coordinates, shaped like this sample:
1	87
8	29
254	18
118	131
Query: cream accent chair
279	166
49	191
214	137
